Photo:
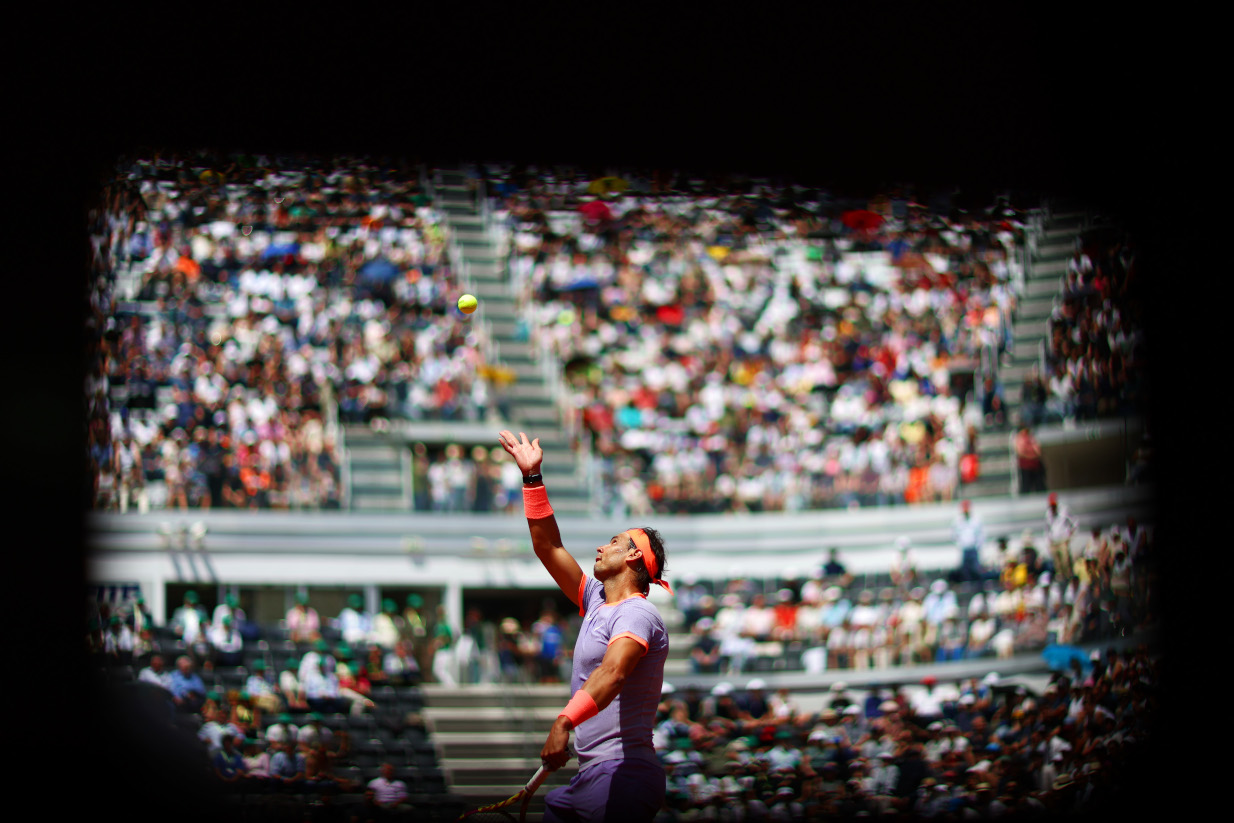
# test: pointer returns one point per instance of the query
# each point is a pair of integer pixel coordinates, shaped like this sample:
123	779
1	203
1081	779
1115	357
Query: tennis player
618	663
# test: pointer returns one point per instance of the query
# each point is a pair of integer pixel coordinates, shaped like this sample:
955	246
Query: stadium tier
891	445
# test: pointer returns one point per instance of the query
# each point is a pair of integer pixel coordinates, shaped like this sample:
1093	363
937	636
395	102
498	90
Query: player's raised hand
528	455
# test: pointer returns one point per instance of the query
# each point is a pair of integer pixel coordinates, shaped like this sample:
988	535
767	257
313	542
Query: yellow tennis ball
467	303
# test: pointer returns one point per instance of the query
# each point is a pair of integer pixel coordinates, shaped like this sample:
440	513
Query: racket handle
536	779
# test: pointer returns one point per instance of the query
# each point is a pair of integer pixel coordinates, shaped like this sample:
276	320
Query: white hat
756	683
721	689
990	679
667	688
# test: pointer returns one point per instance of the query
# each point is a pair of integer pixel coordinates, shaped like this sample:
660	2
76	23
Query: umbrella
380	269
280	250
861	220
596	210
606	185
580	284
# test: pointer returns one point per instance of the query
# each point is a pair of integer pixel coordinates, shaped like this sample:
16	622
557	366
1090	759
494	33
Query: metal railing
335	430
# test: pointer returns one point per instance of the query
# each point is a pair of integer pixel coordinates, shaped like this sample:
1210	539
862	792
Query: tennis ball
467	303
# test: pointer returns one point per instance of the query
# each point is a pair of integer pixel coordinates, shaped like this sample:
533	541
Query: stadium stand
263	328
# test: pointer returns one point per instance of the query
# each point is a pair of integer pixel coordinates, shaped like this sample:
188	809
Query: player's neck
621	587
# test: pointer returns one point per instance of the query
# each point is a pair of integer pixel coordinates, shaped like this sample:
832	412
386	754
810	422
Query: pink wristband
535	503
581	707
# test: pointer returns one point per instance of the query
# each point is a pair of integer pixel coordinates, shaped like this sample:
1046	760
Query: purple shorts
611	790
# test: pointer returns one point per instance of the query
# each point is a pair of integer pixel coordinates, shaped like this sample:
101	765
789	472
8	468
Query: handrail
338	433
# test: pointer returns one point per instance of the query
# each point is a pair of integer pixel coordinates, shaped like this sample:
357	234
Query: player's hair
657	548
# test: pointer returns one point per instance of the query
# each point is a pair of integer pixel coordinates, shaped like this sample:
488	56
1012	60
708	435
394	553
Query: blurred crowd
1095	357
970	749
1032	593
238	301
324	708
732	345
758	347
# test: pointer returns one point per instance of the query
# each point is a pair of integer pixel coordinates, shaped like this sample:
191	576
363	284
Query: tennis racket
499	811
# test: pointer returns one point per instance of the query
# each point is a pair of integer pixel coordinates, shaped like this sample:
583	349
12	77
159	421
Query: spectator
834	571
969	535
189	621
445	663
226	643
228	761
1028	461
904	573
551	646
353	623
262	688
188	691
118	641
389	795
286	765
400	665
155	672
1060	527
415	628
387	625
303	622
291	688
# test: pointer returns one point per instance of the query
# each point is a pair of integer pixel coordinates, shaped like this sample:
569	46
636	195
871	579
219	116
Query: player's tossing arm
600	689
545	536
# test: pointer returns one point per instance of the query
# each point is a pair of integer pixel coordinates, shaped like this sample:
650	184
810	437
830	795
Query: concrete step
375	504
985	487
508	743
437	696
1034	310
1057	248
531	390
1025	349
392	476
479	719
495	771
502	326
1042	288
1001	465
492	291
494	284
537	417
1035	328
1067	217
578	505
510	350
1054	235
492	269
459	221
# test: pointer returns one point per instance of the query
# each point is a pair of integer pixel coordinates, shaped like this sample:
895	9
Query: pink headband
649	557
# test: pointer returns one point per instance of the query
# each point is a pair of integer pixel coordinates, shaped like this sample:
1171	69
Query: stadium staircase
378	470
481	764
531	397
379	462
1046	261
